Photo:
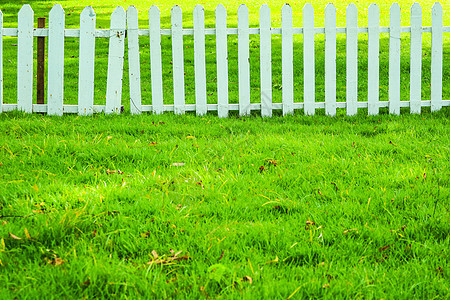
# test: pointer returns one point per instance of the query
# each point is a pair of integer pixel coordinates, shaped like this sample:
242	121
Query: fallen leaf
320	193
335	186
109	172
381	249
262	169
247	278
56	261
272	162
273	261
35	187
221	255
27	234
94	233
14	236
325	286
309	224
349	230
108	137
120	172
190	137
153	144
4	222
178	164
155	254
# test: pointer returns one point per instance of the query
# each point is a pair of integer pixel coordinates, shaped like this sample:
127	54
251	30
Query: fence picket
416	59
115	61
134	65
352	60
178	60
199	61
436	56
155	59
287	61
373	77
265	60
55	94
394	59
243	60
25	59
1	61
309	79
86	62
222	61
330	60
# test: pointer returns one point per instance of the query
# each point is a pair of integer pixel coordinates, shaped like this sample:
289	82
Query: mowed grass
104	9
188	207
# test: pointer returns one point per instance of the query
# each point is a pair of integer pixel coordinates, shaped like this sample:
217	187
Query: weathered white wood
309	69
373	76
87	62
25	59
155	60
416	59
436	56
352	59
115	61
199	60
330	60
287	59
55	93
265	39
1	61
178	60
394	59
222	61
243	60
134	65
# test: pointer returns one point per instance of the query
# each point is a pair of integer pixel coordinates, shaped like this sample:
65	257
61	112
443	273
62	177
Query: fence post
287	60
222	61
330	60
134	66
155	59
1	61
40	75
415	88
309	69
265	60
436	56
373	76
394	59
199	61
243	60
178	60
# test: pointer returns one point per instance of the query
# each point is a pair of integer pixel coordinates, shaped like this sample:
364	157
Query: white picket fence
125	25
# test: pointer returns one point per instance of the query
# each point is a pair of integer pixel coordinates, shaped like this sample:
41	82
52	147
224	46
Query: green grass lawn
187	207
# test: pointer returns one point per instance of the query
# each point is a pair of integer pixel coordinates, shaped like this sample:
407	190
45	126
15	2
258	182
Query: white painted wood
394	59
115	61
352	60
25	59
243	60
436	56
265	39
373	76
287	59
178	60
155	60
134	65
55	92
330	60
416	59
200	60
222	61
309	69
1	61
86	62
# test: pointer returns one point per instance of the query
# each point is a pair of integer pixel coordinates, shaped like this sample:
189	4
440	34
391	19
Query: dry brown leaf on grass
309	224
350	230
247	278
55	261
167	259
15	237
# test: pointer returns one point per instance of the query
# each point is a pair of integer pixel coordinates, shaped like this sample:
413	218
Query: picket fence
125	25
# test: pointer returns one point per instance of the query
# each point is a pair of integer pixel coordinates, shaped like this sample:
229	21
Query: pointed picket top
351	9
436	8
220	9
264	10
88	11
26	10
154	10
118	17
57	9
374	11
242	9
330	8
132	12
308	9
395	8
416	9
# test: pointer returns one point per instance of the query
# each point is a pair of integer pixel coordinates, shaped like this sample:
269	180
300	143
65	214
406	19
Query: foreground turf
189	207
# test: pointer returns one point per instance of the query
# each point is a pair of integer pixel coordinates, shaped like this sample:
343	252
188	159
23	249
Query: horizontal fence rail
124	25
